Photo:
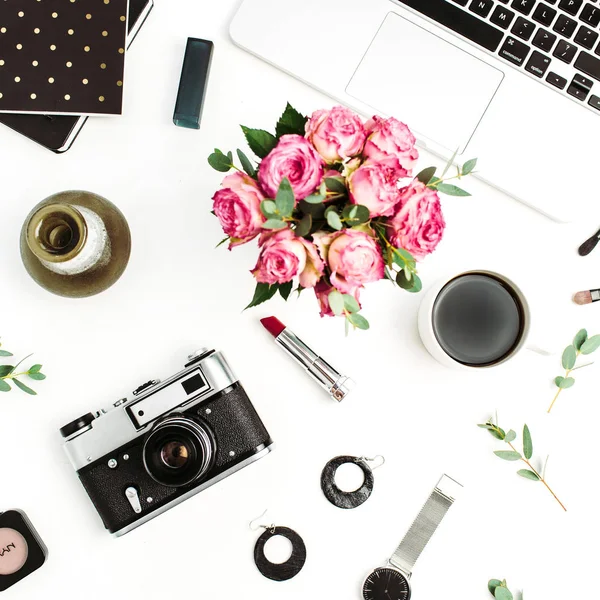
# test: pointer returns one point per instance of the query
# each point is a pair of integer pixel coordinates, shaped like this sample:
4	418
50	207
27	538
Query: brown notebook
62	56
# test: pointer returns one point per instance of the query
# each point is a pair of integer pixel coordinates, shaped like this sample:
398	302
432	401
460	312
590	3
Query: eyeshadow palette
62	56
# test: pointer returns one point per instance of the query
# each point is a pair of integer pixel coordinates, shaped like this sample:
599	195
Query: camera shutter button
134	499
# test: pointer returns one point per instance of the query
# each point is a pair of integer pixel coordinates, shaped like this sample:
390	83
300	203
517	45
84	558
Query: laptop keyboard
555	41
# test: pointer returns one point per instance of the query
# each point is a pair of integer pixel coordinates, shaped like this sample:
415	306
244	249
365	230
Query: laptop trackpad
439	90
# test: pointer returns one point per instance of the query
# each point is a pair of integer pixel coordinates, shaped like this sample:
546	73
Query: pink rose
354	258
237	206
419	225
389	138
296	159
376	187
322	291
337	134
284	256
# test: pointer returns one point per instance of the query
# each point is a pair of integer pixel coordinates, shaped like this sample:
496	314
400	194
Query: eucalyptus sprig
10	373
582	344
500	590
429	178
514	455
348	306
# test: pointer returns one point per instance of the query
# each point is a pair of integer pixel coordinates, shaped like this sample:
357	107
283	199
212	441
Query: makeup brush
586	297
589	245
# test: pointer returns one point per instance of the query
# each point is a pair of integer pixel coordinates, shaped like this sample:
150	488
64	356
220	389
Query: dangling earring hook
379	459
254	527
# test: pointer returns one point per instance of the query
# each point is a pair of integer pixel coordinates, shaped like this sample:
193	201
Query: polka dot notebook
62	56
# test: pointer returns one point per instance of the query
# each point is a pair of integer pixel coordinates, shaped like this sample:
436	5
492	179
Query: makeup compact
21	549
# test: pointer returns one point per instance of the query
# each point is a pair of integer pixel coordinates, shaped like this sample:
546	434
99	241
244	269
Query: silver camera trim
115	426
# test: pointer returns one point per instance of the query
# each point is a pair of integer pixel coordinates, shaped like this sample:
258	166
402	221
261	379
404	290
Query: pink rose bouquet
334	206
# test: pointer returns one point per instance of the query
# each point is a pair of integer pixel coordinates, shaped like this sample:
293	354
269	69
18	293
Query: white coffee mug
429	338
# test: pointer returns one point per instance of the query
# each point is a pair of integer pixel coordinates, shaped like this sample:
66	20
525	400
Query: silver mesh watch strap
425	524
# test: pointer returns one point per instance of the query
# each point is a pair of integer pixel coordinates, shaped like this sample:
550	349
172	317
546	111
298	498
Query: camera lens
179	451
175	454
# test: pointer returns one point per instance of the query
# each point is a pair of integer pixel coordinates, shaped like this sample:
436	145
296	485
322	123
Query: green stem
567	373
433	184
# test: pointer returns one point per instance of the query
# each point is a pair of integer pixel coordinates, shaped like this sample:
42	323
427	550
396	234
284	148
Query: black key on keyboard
538	64
570	6
586	37
523	6
590	15
461	22
544	14
544	40
482	7
461	2
565	26
565	51
580	87
523	28
514	51
556	80
588	64
502	17
595	102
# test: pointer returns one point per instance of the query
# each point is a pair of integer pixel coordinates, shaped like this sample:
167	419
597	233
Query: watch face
386	584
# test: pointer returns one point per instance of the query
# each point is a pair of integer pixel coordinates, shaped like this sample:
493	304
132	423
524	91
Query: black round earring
349	500
292	566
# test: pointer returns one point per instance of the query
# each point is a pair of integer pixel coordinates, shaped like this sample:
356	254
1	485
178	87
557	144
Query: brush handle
589	245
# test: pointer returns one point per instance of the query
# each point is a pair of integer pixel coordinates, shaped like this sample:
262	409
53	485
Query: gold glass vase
75	244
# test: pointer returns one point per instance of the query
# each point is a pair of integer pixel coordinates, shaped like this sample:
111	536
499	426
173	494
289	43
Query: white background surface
180	293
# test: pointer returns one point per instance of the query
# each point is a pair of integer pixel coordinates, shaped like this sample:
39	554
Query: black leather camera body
168	442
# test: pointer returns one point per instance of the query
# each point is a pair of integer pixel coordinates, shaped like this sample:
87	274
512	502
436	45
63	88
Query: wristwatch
392	582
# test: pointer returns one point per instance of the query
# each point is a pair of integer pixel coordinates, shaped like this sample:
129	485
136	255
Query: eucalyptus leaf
503	593
6	370
356	214
315	199
274	224
263	292
219	162
334	221
527	443
426	175
335	184
37	376
291	122
261	142
358	321
451	190
304	226
493	584
558	381
580	338
246	164
336	302
567	383
285	289
469	166
508	455
285	200
511	436
527	474
24	388
4	387
413	285
268	208
351	303
569	358
5	353
591	345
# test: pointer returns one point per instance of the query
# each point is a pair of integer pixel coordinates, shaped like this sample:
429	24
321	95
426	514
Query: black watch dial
386	584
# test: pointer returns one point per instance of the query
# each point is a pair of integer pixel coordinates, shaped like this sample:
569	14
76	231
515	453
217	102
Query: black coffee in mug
478	319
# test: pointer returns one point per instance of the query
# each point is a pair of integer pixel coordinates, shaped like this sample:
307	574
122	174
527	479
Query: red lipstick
338	386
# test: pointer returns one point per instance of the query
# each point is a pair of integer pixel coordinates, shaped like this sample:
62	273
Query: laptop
515	83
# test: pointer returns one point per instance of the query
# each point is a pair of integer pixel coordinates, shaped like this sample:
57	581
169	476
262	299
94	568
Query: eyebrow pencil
586	297
337	385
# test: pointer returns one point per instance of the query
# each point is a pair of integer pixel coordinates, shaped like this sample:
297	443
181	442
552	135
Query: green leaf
358	321
246	164
24	388
558	381
493	584
4	387
5	353
527	443
223	241
426	175
6	370
569	357
507	455
591	345
511	436
356	214
35	369
285	200
469	166
274	224
37	376
580	338
334	221
304	226
449	163
219	161
351	303
498	433
567	383
268	208
336	184
261	142
527	474
315	199
263	292
336	302
291	122
412	285
451	190
285	289
503	593
403	257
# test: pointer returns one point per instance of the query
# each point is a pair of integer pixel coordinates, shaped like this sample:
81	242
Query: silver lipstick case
337	385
